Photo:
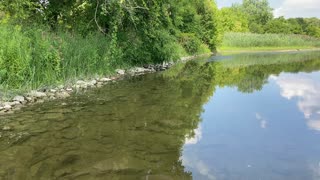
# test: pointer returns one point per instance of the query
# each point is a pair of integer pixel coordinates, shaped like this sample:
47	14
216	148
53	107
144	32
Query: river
237	117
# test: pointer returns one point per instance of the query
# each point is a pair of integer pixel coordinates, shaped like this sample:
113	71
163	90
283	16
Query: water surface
247	116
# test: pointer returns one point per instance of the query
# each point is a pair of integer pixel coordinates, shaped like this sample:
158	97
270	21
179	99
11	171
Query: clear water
248	116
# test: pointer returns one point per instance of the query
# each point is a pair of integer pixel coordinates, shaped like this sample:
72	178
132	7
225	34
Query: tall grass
251	40
251	59
31	58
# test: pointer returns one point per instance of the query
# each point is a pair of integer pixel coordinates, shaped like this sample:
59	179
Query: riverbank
233	50
11	104
16	100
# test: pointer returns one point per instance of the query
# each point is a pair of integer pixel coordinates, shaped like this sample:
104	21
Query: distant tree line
256	16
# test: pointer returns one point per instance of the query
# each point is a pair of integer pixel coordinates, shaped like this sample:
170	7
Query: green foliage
61	39
34	57
233	20
190	42
14	55
278	26
256	16
258	13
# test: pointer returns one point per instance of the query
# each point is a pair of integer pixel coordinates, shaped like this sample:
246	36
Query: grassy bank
33	58
266	42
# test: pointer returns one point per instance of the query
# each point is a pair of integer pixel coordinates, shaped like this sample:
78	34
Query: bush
190	42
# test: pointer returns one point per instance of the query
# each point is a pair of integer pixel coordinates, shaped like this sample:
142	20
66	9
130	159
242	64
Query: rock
104	80
1	108
62	95
7	107
50	94
53	90
15	103
11	103
19	99
120	71
30	99
69	89
82	84
52	98
37	94
138	70
92	83
77	86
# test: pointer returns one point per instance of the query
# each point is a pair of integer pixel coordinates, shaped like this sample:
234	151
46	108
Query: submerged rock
7	128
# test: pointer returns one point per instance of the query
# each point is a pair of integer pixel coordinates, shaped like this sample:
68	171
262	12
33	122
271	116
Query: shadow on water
133	129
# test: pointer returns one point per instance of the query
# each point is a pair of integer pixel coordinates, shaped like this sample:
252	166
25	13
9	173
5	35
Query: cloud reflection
263	122
198	166
307	90
196	138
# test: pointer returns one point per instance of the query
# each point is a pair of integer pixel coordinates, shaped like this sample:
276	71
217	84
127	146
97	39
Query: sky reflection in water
267	134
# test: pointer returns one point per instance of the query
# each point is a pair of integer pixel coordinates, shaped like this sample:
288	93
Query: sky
286	8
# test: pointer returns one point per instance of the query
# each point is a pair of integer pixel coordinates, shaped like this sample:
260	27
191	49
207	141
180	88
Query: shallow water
248	116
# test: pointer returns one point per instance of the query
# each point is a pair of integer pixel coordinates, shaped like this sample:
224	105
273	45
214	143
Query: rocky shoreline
65	91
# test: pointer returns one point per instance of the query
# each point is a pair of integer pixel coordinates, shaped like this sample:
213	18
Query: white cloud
298	8
307	91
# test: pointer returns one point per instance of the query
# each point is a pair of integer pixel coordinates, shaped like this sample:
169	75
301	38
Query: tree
278	26
259	13
233	20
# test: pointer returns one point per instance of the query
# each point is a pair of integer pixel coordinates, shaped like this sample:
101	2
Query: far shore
265	49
